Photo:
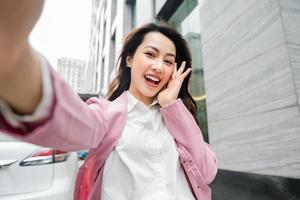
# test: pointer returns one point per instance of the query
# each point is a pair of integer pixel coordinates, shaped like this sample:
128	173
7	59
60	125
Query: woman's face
151	66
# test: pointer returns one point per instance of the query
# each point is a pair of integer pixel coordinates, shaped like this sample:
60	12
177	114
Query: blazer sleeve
186	132
70	125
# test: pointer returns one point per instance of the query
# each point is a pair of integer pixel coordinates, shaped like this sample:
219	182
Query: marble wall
251	55
290	12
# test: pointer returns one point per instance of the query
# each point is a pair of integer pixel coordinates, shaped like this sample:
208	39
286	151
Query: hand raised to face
170	93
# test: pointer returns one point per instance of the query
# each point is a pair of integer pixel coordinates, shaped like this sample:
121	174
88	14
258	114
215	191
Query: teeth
152	78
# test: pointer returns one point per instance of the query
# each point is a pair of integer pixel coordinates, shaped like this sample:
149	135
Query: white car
29	172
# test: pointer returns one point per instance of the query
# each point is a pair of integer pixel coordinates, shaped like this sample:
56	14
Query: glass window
112	54
186	19
113	10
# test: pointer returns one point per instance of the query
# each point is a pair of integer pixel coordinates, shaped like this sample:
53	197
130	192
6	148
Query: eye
169	62
150	54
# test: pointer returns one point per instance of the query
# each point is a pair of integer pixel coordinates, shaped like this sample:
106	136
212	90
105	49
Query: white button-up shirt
145	163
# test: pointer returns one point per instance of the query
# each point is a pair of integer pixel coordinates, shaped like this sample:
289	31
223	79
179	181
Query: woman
144	140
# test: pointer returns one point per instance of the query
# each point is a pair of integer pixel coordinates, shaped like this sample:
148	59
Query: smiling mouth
152	80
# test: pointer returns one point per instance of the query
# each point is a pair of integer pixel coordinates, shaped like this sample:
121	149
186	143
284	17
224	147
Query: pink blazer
73	125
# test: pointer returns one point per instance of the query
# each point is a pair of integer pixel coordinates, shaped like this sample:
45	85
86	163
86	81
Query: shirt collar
132	102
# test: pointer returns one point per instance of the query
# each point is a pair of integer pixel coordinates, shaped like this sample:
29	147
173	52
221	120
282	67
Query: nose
157	66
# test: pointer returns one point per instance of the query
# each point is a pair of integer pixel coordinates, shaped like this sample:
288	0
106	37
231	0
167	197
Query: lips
152	80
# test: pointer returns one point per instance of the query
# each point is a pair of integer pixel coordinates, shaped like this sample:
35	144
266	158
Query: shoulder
97	100
118	103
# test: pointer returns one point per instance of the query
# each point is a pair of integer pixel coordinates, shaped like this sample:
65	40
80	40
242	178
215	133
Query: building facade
111	20
73	71
246	82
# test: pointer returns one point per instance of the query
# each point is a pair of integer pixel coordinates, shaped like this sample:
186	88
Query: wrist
166	103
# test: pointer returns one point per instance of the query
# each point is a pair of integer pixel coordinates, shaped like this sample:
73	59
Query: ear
128	61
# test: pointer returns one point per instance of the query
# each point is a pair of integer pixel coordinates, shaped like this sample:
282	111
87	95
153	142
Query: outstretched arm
69	123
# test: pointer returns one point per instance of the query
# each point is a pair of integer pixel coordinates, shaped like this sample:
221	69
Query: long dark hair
132	41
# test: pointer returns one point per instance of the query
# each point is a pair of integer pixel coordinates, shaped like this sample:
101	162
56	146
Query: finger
186	73
174	71
181	69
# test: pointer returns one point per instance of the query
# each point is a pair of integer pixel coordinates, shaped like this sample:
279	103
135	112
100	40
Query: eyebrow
156	49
